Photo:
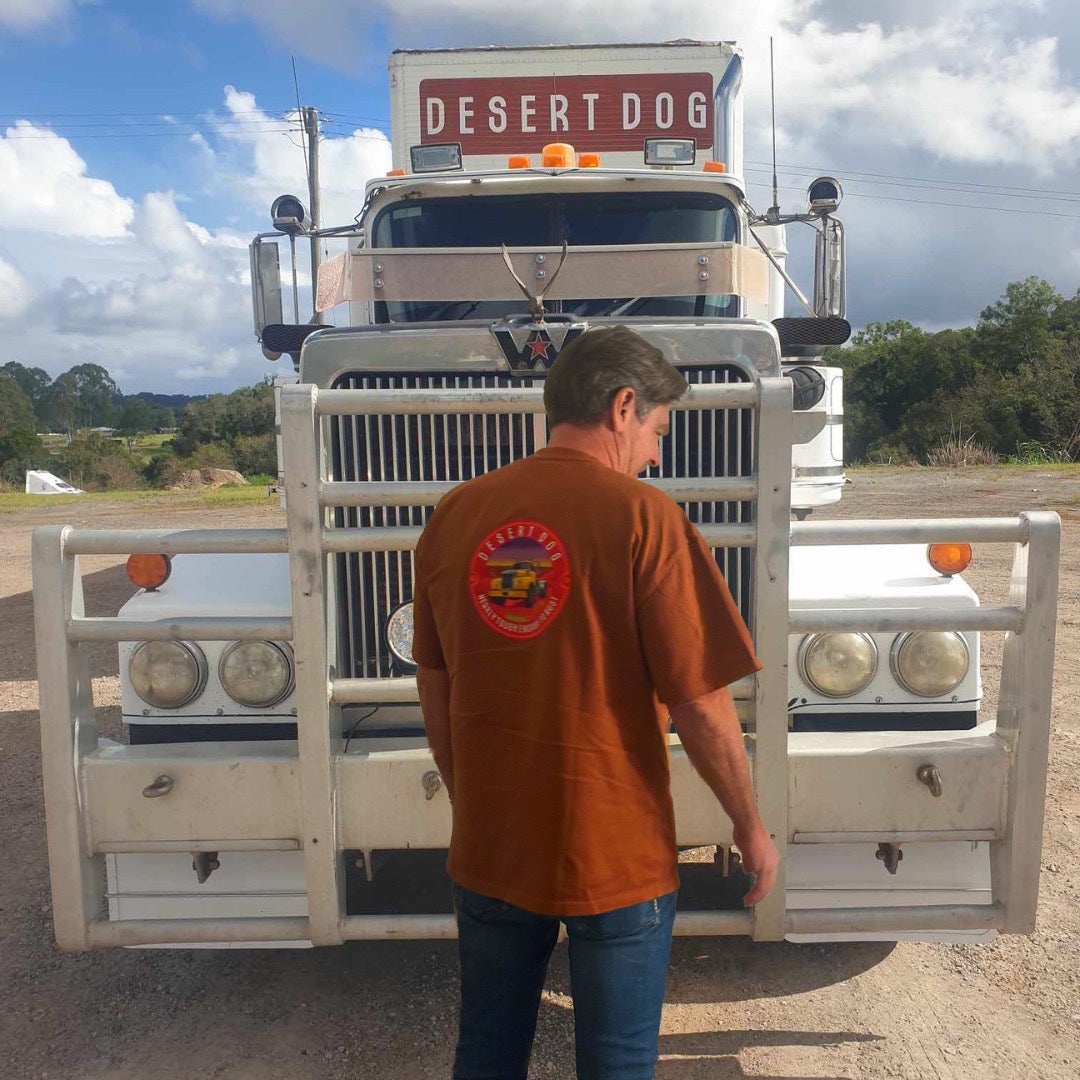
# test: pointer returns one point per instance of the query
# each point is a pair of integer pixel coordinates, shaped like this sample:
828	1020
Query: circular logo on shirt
519	579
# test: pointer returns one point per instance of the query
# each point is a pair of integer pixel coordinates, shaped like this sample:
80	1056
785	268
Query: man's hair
595	366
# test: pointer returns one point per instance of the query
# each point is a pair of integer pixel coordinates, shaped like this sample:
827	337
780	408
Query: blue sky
141	143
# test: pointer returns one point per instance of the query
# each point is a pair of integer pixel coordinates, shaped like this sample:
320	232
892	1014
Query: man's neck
595	440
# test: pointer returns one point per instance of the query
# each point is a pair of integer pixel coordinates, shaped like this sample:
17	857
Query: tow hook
431	781
162	785
204	863
890	855
929	775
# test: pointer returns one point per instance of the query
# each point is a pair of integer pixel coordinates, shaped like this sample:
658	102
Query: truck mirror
830	291
289	216
265	285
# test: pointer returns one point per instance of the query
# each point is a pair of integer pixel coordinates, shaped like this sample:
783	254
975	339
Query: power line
962	206
278	127
917	179
892	179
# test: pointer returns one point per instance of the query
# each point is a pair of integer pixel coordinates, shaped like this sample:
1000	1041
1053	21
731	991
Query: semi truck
274	785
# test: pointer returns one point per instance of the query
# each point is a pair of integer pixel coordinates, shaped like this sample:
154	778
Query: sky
141	144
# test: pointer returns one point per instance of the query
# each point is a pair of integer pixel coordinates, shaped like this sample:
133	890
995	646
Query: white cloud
15	293
966	82
28	15
46	187
156	299
272	160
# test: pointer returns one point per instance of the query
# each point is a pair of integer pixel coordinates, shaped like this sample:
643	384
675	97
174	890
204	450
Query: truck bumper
848	795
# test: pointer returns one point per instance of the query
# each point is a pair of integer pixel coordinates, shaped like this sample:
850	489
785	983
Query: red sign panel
593	112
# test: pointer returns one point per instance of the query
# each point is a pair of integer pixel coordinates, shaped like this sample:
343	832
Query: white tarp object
40	482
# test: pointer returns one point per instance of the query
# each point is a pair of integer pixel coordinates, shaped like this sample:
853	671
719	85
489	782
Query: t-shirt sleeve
692	635
427	648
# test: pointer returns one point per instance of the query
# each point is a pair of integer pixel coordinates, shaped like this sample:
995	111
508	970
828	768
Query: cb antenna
774	210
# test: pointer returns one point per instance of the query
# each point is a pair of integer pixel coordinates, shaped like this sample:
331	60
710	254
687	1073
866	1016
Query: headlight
399	634
838	665
930	662
256	673
167	674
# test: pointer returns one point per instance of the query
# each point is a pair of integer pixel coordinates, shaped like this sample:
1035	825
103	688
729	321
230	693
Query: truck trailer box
604	99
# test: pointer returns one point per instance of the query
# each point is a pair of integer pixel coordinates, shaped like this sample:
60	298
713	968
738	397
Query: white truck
276	787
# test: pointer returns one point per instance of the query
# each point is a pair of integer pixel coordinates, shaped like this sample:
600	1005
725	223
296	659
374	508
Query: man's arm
433	685
710	734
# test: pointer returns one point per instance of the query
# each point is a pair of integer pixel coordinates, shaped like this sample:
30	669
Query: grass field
256	491
223	496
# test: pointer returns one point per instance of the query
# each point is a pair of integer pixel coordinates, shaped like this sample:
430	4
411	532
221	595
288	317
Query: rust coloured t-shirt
572	607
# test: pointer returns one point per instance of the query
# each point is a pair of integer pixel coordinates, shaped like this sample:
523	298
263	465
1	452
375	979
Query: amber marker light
519	161
398	172
589	161
715	166
149	572
558	155
949	559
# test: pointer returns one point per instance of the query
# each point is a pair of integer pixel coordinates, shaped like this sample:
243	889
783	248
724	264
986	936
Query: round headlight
930	662
399	634
167	674
256	673
838	665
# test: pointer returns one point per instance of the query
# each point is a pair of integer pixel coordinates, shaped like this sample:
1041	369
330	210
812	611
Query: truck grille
453	447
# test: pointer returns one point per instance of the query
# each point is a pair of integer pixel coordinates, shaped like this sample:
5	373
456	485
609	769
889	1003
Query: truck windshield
640	217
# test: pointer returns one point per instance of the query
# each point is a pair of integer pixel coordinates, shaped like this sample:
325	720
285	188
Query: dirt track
1008	1010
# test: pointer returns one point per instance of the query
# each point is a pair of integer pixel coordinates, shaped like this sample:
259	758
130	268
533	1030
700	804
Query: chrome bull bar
318	784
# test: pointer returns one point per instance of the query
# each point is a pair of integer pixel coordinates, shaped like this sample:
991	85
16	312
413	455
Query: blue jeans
618	968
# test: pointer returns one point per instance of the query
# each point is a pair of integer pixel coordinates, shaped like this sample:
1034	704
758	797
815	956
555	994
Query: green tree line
1009	384
100	427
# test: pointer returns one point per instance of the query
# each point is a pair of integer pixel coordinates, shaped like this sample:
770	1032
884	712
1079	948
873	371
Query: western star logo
532	347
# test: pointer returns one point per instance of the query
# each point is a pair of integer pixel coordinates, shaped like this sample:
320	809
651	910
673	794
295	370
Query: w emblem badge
531	347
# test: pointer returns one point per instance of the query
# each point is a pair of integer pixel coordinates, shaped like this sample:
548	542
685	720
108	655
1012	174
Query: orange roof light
588	161
558	155
715	166
149	572
519	161
949	559
398	172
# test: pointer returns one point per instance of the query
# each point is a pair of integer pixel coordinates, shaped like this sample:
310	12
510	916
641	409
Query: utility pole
311	129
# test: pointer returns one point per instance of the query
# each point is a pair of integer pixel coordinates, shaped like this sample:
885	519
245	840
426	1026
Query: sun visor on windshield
435	274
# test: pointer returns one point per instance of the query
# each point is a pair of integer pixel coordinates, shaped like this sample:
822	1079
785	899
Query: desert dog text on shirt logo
519	578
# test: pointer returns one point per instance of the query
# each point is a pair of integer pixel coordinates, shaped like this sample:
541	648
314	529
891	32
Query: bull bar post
770	607
1023	720
318	723
77	876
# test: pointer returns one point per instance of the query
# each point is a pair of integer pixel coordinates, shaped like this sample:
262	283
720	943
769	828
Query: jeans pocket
477	905
622	922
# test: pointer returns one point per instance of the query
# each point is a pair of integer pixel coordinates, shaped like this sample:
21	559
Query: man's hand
710	734
760	858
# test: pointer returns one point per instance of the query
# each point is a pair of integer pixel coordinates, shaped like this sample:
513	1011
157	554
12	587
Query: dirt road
1009	1010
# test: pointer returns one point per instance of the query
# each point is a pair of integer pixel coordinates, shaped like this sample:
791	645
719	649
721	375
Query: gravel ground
734	1009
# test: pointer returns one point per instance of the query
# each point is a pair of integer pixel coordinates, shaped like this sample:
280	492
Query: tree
96	391
255	454
94	461
134	417
1018	328
21	450
223	418
34	382
16	410
82	397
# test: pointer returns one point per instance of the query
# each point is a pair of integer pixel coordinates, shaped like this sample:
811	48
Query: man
563	611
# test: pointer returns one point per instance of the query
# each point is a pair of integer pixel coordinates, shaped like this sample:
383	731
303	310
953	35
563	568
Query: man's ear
623	406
